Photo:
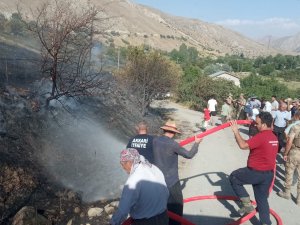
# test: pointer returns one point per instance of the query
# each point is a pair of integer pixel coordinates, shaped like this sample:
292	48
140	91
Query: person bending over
145	193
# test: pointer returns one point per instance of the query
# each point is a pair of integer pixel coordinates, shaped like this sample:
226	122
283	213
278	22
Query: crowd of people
153	185
281	119
282	112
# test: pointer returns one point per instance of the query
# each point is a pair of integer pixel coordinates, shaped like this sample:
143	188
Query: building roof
221	73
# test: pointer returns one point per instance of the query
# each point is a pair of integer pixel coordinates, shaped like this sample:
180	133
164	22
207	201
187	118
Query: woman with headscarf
145	193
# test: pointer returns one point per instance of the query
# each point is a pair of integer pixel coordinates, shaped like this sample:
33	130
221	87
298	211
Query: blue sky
253	18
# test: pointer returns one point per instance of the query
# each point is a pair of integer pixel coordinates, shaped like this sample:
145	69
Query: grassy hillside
293	85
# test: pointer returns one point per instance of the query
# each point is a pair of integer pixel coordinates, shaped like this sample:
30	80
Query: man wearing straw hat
166	152
145	193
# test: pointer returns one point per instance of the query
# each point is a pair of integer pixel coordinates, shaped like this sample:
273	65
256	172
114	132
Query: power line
18	59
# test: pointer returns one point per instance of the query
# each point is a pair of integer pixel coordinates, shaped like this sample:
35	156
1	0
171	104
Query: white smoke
84	156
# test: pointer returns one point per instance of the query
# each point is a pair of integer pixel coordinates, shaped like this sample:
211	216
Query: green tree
212	68
263	87
236	65
176	56
279	62
258	62
195	88
203	62
185	87
192	55
247	66
266	69
268	60
290	62
290	75
205	87
185	55
147	75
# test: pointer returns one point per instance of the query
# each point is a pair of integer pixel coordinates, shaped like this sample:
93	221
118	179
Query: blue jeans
260	181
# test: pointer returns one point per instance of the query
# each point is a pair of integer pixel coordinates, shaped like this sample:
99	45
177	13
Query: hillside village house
227	76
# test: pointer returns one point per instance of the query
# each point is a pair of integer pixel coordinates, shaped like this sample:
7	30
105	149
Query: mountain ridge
135	24
288	43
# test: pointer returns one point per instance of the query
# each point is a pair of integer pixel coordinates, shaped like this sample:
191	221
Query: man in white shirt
275	104
211	105
281	117
267	107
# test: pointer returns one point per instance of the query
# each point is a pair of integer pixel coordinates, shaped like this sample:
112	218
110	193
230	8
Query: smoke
84	156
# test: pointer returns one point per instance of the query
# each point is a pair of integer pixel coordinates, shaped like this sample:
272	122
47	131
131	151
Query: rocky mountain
288	43
134	24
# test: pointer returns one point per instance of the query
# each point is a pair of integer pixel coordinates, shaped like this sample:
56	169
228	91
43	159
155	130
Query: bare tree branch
65	29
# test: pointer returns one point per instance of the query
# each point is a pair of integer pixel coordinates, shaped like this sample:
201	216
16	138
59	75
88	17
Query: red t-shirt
206	114
263	151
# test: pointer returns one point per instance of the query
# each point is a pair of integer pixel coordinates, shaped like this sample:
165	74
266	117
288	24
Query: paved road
207	174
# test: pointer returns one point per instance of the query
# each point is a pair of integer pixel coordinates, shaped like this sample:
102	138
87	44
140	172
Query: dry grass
293	85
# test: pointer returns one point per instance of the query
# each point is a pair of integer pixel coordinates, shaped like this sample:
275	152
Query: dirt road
207	174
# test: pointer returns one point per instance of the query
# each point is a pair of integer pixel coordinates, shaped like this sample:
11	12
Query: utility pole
269	41
6	70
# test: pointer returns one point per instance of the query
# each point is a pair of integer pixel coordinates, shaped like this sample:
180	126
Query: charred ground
24	132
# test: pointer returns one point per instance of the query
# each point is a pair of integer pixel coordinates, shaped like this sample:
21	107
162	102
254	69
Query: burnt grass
24	129
24	182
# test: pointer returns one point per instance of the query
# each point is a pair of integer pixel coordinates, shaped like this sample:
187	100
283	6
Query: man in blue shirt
166	152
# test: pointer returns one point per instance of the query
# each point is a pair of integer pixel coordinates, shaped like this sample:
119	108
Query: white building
227	76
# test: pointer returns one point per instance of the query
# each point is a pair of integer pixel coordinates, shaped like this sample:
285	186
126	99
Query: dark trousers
175	202
161	219
260	181
279	132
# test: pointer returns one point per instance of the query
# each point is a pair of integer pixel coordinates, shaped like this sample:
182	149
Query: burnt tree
65	30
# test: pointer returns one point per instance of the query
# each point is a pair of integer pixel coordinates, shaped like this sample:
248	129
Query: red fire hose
243	219
210	131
